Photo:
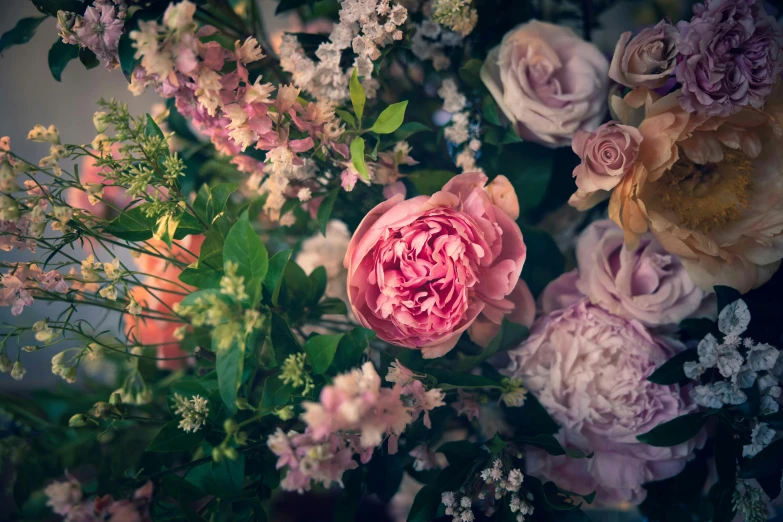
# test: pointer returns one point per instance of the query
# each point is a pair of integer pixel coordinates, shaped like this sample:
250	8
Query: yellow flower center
707	196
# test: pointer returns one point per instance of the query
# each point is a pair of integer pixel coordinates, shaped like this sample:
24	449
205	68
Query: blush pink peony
589	369
164	277
421	271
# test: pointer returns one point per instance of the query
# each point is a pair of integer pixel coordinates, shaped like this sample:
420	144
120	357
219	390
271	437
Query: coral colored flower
548	82
421	271
164	276
589	368
647	283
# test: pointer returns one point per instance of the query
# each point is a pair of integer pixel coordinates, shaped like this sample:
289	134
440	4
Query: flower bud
99	120
217	454
242	404
115	399
241	438
18	371
102	409
78	421
5	363
231	453
230	426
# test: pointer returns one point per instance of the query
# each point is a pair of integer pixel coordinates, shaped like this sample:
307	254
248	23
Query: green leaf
209	268
452	380
276	392
132	225
211	201
172	438
283	341
229	366
428	182
390	119
59	56
529	167
470	73
347	117
274	275
462	452
698	328
726	295
671	371
544	261
552	446
489	110
351	347
357	157
407	130
321	350
767	461
358	96
51	7
244	247
127	55
22	32
316	283
775	420
509	336
674	432
151	128
332	306
531	418
88	59
327	205
294	289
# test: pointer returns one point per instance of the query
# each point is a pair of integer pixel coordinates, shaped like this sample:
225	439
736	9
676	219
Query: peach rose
646	60
164	276
421	271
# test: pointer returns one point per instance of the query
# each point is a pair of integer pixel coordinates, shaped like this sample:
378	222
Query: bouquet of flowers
416	260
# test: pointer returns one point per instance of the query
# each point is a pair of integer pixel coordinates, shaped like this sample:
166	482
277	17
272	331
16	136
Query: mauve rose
589	369
731	57
421	271
646	60
548	82
608	153
646	283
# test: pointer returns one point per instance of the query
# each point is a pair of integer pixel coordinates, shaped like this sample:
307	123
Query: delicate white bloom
133	307
734	318
194	412
761	436
109	292
708	351
729	362
18	371
515	478
248	52
762	357
704	395
692	370
447	498
304	194
112	270
453	100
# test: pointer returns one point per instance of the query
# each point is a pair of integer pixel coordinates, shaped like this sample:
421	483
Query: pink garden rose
646	283
607	154
646	60
589	369
421	271
548	82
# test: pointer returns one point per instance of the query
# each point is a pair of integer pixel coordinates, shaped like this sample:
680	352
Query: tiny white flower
447	498
708	351
763	357
734	318
730	362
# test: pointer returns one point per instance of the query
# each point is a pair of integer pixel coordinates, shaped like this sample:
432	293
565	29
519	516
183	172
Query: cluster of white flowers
514	394
743	363
430	41
51	136
749	504
193	412
458	15
366	26
462	511
458	132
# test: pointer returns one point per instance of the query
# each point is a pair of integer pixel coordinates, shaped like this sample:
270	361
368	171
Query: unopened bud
241	438
78	421
243	404
99	120
230	426
217	454
102	409
115	399
231	453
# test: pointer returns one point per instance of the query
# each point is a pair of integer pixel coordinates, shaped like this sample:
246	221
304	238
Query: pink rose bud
608	154
421	271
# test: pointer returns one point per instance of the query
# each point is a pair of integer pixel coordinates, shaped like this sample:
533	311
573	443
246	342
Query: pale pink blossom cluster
18	285
66	499
232	110
354	416
99	30
366	26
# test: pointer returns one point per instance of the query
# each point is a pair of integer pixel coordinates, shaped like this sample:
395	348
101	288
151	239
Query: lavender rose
589	369
732	56
607	154
548	82
646	284
646	60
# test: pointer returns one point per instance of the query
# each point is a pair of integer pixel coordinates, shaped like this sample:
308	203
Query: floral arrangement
421	260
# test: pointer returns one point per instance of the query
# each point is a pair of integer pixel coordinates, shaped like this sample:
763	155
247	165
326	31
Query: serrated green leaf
357	157
675	431
390	119
172	438
320	351
358	96
59	56
22	32
327	205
